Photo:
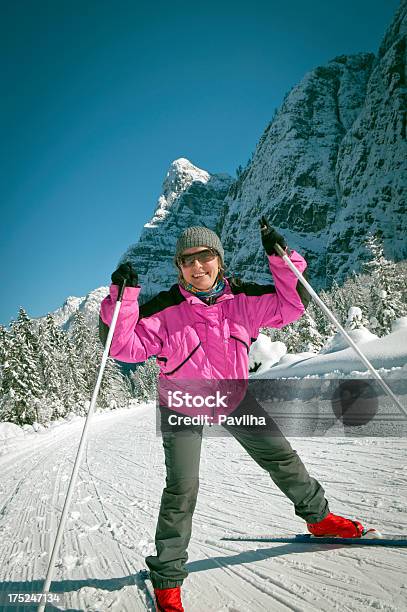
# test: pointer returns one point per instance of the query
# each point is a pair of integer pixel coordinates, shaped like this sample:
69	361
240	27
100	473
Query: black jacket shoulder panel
302	292
162	300
238	286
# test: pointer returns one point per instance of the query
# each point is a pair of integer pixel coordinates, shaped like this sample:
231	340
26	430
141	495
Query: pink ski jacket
193	340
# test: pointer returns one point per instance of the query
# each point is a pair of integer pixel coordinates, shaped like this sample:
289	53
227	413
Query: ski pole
334	320
72	482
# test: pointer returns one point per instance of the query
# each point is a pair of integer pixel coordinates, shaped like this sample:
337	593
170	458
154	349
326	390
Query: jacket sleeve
288	302
134	340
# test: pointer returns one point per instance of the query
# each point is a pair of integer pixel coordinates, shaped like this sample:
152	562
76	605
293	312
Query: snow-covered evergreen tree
22	379
286	335
46	373
339	302
73	387
386	289
144	380
355	319
3	333
87	353
325	327
51	355
309	338
359	292
114	389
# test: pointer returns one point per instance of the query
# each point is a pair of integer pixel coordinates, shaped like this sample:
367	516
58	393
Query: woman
200	330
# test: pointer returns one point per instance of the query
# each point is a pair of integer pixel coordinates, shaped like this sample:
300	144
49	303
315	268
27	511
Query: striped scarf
210	295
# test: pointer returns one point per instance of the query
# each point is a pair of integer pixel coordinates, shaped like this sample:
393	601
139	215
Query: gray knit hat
196	237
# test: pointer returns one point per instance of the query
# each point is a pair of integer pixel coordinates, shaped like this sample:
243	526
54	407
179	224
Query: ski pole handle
121	293
282	253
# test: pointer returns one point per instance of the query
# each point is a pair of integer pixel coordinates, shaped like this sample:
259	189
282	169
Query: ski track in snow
112	520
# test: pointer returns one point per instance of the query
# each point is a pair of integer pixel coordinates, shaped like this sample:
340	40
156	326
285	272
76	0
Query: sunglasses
202	256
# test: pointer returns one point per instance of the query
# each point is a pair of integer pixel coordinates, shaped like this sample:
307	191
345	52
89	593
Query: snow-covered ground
112	518
112	521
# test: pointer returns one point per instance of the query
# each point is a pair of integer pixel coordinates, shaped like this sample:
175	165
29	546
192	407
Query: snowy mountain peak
180	176
190	196
183	168
88	305
72	302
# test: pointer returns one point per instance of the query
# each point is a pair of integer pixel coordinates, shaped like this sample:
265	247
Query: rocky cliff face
371	168
292	176
332	165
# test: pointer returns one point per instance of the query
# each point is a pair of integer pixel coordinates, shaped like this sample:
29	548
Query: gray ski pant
182	450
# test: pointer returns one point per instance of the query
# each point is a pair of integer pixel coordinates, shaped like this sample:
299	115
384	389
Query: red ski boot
169	600
337	526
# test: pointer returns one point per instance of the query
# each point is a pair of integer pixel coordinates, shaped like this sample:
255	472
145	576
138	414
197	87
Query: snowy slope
112	521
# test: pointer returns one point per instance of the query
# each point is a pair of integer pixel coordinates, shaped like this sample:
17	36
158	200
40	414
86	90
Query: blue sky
100	97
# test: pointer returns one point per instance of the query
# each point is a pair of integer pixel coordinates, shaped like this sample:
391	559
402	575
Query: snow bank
338	342
398	324
265	352
8	431
10	435
384	353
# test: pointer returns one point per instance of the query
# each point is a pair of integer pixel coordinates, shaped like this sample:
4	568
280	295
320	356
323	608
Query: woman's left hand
270	237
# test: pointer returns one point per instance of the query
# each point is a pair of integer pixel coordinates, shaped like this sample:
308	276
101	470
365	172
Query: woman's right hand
125	272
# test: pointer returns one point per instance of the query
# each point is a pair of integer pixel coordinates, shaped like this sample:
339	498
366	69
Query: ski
369	538
144	578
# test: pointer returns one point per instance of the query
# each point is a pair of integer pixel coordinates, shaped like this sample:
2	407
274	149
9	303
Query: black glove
125	272
270	238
